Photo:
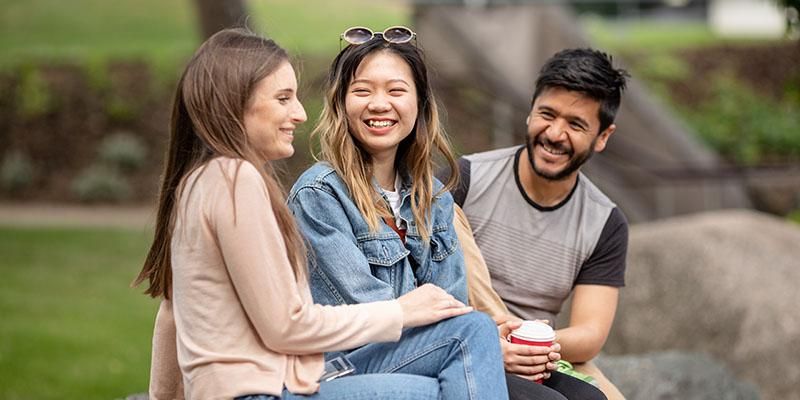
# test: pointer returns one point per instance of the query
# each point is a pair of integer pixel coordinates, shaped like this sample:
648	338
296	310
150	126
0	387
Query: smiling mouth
552	148
380	123
554	151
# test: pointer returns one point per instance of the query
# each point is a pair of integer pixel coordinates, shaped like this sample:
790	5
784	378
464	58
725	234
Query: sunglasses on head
360	35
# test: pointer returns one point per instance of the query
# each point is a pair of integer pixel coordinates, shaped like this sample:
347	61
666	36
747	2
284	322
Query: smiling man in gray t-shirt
545	231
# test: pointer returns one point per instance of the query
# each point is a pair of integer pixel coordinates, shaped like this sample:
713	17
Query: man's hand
529	362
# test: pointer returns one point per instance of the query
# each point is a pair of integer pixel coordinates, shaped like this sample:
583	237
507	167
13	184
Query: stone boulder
720	283
674	375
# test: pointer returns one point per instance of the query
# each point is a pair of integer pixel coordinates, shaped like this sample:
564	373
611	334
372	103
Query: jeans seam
463	348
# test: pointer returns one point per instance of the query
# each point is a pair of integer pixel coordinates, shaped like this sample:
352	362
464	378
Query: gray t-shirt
536	255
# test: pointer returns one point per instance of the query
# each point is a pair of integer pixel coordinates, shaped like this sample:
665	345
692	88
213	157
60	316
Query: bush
33	94
745	127
100	183
794	216
16	172
123	150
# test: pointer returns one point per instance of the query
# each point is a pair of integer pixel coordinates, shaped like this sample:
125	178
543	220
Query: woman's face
381	104
273	113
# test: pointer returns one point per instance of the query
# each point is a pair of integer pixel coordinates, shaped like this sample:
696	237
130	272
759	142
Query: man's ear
528	120
602	138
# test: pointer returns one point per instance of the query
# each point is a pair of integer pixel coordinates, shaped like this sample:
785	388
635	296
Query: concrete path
20	214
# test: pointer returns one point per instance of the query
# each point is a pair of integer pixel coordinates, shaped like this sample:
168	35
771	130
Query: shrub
745	127
794	216
100	183
123	150
33	95
16	172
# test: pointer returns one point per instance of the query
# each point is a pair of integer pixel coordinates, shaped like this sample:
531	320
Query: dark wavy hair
588	71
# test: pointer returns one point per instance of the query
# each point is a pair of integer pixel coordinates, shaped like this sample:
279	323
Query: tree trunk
219	14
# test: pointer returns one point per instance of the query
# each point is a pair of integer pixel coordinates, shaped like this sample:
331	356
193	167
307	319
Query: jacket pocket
444	242
383	251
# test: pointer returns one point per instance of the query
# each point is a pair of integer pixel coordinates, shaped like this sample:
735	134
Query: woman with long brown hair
377	221
236	318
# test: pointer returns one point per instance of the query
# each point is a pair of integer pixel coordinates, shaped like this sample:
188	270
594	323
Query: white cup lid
534	331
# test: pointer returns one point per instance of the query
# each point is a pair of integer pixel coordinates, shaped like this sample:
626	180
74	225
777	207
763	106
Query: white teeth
553	151
379	124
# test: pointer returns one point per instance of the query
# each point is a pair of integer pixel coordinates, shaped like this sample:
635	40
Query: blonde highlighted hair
414	154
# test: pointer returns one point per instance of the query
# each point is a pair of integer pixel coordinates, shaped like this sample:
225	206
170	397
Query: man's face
563	132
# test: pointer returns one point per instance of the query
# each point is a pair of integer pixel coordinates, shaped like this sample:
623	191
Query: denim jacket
348	264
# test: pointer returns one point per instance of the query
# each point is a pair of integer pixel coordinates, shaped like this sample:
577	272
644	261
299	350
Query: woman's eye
397	90
360	91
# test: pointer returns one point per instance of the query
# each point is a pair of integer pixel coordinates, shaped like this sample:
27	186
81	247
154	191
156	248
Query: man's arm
591	317
529	362
596	293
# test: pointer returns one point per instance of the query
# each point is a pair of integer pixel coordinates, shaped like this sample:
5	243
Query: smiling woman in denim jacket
236	319
378	222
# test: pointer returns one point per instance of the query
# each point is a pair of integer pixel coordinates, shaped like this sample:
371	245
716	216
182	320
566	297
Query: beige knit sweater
238	322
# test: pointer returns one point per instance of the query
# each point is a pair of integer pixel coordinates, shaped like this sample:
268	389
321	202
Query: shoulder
320	182
224	172
594	194
492	155
321	175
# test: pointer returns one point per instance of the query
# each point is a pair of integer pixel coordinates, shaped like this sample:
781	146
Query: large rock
721	283
674	375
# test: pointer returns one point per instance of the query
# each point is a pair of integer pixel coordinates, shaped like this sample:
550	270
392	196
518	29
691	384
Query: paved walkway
21	214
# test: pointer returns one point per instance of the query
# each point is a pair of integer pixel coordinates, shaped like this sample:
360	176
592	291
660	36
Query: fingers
452	312
529	371
505	328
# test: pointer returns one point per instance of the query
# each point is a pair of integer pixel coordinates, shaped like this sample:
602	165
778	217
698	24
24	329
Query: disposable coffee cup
533	333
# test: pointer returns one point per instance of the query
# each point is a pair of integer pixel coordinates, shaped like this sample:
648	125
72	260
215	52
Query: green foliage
71	326
96	71
33	94
123	150
98	183
120	108
794	216
619	36
746	127
16	171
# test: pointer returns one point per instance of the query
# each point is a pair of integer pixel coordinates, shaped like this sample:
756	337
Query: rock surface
722	284
674	375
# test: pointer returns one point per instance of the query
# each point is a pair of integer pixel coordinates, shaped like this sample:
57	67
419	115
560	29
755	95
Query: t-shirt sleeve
606	265
460	191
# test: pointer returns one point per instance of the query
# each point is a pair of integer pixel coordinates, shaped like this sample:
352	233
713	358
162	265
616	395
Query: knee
477	324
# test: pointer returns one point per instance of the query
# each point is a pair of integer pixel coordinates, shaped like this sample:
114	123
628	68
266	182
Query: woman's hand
428	304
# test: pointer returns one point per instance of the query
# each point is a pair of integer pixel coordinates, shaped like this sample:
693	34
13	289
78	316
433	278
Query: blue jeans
462	353
367	387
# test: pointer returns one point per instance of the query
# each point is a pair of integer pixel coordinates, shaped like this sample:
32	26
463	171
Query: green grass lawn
165	31
71	326
648	36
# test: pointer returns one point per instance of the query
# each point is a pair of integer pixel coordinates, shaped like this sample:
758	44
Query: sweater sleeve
279	308
166	381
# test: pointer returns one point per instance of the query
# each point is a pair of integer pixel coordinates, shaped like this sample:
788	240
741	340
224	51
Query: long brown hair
207	122
415	152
